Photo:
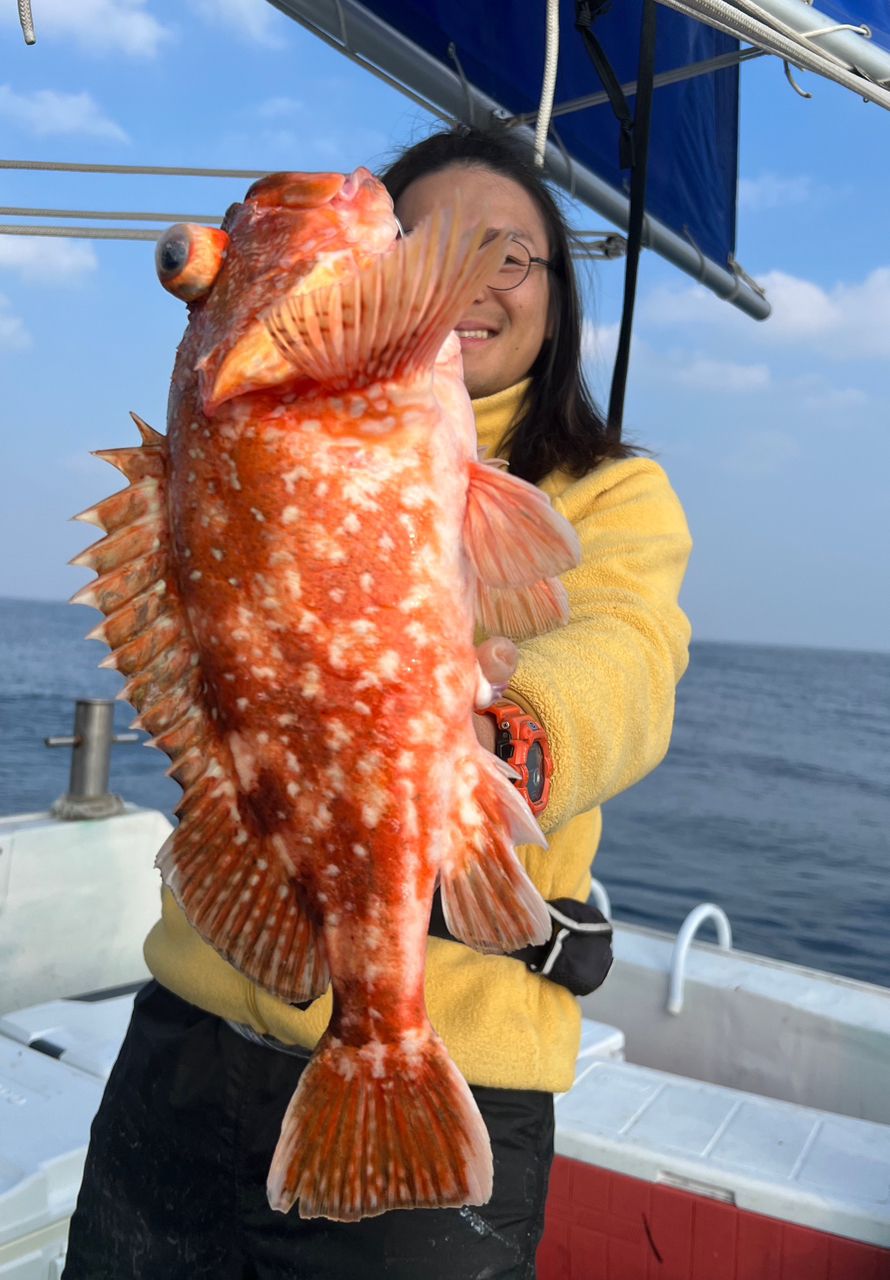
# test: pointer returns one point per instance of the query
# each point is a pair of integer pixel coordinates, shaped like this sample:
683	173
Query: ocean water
773	801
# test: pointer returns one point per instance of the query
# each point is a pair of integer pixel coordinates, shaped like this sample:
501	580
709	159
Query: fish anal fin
379	1127
487	897
391	317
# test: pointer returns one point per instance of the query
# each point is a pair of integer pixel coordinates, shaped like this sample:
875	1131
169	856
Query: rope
27	22
551	62
779	38
120	216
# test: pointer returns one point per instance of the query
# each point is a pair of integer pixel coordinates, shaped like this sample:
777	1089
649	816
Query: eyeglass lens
515	268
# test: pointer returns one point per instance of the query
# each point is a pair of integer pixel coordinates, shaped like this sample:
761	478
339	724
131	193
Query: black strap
585	12
633	154
639	173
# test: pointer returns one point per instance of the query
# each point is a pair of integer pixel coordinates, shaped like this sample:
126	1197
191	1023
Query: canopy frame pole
663	78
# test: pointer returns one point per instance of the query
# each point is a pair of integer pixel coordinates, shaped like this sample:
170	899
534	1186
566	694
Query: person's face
501	332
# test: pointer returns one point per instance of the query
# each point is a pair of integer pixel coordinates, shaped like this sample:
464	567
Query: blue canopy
692	166
471	59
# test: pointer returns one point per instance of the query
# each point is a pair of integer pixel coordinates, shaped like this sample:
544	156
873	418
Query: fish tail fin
378	1127
517	543
390	318
487	897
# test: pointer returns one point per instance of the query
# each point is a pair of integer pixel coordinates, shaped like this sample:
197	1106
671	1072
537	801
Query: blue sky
775	434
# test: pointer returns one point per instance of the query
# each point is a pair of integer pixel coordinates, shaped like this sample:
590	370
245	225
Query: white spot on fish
362	708
414	496
262	738
351	522
337	595
332	869
290	515
321	488
234	582
217	553
385	542
196	575
366	582
243	759
286	719
360	851
257	514
242	704
191	477
311	680
337	735
389	664
294	583
293	789
262	673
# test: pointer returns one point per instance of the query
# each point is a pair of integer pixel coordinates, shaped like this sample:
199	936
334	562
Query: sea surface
774	799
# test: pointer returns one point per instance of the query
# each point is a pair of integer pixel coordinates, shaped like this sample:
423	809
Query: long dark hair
559	425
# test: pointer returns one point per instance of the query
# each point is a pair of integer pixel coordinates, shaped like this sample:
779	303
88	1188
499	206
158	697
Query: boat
729	1120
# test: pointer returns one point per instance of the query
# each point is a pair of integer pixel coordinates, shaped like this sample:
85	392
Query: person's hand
497	657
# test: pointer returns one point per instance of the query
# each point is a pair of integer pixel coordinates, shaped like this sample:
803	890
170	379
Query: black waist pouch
578	954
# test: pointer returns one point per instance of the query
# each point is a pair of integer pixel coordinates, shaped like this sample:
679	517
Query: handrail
600	897
688	929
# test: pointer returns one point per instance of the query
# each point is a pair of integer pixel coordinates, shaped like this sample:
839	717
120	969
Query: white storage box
48	1097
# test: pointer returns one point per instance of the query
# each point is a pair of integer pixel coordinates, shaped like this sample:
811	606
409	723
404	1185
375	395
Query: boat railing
688	929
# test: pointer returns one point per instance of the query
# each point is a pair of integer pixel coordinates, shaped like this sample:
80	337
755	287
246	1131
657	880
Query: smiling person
175	1179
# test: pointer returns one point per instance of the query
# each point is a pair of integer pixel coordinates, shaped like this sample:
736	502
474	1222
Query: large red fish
289	585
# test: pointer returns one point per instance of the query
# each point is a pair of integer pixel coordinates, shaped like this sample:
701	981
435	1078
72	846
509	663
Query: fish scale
289	587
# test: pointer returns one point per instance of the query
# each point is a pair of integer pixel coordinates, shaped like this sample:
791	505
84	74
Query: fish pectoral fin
487	897
380	1126
242	903
521	612
391	317
511	531
517	543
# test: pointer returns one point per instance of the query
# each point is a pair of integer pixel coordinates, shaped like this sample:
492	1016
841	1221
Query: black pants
174	1185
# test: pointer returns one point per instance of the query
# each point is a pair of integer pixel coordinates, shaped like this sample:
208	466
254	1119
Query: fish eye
188	258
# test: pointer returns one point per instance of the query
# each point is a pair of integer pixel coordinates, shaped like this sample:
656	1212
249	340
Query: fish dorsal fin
392	317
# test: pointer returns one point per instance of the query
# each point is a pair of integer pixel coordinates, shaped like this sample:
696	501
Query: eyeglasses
515	268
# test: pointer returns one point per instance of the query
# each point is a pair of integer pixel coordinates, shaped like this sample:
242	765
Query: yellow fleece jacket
603	687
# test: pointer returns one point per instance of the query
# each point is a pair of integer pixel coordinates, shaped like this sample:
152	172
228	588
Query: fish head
292	233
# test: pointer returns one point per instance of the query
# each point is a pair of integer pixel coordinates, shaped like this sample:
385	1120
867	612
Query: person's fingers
497	658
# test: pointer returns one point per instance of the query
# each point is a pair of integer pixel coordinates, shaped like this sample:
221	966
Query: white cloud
846	321
819	397
46	112
278	108
250	18
774	191
761	453
13	334
99	26
705	374
46	261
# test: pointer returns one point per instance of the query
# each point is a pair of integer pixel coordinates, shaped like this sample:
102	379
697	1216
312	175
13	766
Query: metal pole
88	795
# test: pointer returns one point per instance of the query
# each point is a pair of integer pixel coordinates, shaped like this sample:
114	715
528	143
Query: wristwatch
522	743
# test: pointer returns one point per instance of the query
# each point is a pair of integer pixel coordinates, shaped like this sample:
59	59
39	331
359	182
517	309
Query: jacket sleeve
603	686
